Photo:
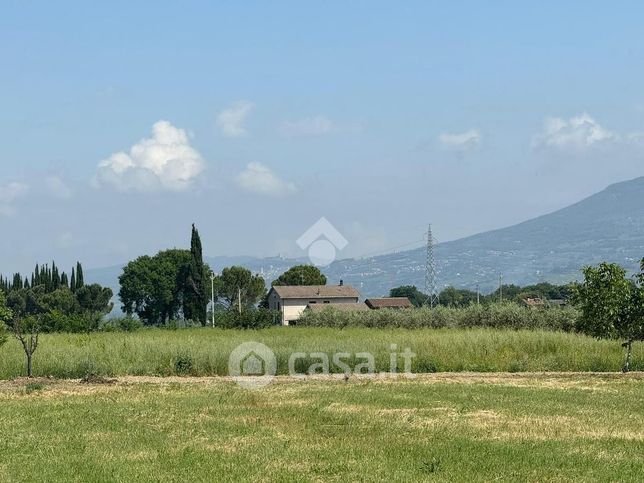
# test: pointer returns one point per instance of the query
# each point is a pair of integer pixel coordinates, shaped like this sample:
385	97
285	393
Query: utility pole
212	299
478	294
239	299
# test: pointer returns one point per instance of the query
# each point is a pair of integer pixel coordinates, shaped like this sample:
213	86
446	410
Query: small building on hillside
291	300
389	303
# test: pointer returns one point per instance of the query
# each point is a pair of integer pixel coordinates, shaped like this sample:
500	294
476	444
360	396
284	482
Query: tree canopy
611	305
301	275
415	296
238	284
153	287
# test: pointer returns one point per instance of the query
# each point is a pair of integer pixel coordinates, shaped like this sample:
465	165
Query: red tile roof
388	303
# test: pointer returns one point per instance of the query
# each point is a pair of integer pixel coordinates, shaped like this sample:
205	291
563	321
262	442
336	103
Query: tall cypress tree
80	282
72	281
195	298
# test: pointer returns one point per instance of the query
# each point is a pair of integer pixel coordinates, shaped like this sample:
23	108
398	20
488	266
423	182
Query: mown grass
205	351
440	427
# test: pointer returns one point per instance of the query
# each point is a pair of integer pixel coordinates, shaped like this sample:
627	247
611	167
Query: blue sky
122	123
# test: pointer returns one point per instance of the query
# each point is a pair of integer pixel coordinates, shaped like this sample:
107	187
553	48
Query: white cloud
310	126
577	133
257	178
58	188
9	194
461	141
166	161
231	120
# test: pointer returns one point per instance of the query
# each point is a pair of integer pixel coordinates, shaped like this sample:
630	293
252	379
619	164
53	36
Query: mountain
607	226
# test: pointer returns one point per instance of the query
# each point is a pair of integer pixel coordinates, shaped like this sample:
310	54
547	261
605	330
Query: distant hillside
606	226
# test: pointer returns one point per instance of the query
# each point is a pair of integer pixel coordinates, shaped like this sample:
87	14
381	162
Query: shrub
34	386
506	315
56	321
248	319
175	324
183	364
123	324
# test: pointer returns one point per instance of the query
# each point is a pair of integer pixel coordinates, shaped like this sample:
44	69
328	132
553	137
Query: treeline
173	288
60	302
457	297
49	278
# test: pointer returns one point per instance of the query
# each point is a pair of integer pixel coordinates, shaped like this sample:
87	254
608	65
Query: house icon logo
252	365
322	239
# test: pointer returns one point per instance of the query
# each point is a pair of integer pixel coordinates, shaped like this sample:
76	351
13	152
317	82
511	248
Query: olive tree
611	305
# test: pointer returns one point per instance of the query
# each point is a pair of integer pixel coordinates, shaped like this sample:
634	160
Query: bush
183	364
175	324
56	321
34	386
122	324
506	315
248	319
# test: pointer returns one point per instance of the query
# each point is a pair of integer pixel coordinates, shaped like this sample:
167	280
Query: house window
279	306
312	302
326	302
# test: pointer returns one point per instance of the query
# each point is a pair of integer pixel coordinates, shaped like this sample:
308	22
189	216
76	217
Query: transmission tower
430	271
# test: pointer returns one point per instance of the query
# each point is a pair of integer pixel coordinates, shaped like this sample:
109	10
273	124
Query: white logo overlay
322	239
252	365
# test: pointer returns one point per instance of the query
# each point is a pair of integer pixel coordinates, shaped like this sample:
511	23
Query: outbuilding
388	303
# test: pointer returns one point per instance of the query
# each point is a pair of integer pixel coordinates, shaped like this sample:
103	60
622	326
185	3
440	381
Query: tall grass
205	351
499	316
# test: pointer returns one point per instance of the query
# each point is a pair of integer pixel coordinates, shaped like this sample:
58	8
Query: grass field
456	427
156	352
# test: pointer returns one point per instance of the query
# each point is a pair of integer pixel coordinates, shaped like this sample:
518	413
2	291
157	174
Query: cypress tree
72	281
17	281
55	277
63	280
195	298
80	282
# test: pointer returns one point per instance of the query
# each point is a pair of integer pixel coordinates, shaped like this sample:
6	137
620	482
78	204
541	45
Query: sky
122	123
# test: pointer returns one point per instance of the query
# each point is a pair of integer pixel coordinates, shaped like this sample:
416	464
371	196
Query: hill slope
606	226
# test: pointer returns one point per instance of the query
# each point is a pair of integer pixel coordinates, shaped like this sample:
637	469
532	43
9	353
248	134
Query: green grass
205	351
437	427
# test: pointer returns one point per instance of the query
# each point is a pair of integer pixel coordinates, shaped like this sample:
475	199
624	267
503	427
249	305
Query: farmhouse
291	300
388	303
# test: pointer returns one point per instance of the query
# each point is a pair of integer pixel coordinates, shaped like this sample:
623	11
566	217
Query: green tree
152	287
611	305
509	292
80	281
454	297
95	299
5	316
195	299
62	301
301	275
415	296
237	287
27	331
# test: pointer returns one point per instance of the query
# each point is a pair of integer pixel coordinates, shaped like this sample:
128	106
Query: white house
291	300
